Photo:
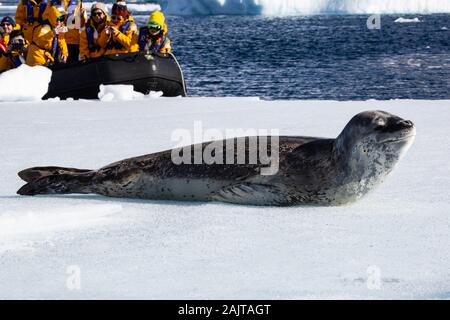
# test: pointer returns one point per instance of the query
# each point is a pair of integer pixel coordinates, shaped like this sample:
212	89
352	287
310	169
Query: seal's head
372	143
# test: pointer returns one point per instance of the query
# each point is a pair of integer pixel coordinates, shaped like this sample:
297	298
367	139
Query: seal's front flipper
252	194
32	174
60	184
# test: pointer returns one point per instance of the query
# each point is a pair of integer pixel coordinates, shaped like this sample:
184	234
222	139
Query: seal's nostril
406	123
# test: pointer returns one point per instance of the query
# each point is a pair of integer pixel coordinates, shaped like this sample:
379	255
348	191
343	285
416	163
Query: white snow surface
128	249
24	83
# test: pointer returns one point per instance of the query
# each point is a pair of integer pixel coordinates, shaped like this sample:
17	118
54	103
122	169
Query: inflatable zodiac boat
146	72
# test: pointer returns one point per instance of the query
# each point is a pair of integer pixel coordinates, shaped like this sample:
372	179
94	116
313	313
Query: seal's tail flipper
60	184
32	174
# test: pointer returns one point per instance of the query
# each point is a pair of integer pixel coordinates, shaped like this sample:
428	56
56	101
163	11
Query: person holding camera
7	25
92	41
121	32
12	50
16	52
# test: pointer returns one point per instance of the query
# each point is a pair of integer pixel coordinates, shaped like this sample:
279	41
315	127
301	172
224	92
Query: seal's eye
380	123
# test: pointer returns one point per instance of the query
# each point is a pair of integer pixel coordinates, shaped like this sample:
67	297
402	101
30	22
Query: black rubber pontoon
155	72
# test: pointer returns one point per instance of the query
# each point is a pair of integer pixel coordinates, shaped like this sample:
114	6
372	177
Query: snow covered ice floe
129	248
24	83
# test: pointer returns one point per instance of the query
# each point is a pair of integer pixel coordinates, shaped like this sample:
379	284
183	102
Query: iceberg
302	7
277	7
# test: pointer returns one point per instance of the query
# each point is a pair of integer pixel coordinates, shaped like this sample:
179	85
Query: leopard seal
313	171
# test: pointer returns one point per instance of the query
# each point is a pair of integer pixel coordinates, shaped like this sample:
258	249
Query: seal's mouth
398	139
401	136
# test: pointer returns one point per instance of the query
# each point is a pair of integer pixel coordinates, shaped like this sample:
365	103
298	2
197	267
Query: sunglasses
98	13
120	7
116	17
5	24
155	29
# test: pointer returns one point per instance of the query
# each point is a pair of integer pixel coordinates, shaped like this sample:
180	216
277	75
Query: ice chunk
123	92
24	83
406	20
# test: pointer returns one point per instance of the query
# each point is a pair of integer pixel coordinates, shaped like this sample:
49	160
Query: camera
61	29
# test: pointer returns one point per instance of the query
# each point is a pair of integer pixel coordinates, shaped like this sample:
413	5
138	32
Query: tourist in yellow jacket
75	21
15	55
92	41
121	33
7	25
153	37
48	45
31	13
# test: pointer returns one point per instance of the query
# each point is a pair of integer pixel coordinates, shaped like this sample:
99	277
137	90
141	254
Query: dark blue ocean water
315	57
